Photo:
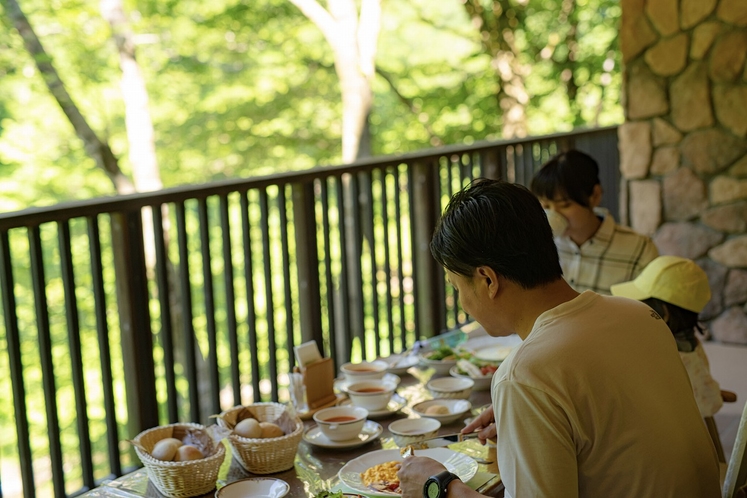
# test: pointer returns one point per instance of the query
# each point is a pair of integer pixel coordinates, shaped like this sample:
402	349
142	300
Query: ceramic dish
341	385
258	487
456	407
396	403
451	387
441	367
399	364
412	430
481	383
350	475
492	348
370	432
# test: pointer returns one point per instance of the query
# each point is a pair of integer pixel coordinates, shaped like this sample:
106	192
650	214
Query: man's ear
489	278
596	196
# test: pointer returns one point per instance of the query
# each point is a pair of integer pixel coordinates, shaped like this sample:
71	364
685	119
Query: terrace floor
729	368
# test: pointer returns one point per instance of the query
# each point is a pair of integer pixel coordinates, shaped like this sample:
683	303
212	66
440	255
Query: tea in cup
341	423
364	370
371	394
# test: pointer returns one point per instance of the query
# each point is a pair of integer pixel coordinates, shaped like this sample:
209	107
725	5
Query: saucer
341	385
396	403
370	432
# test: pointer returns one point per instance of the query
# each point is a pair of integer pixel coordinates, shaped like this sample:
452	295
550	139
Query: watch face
433	490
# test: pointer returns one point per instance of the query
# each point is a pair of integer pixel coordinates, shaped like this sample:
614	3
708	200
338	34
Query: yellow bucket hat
671	279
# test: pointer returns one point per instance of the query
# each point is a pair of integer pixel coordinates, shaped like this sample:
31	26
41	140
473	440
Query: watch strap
443	479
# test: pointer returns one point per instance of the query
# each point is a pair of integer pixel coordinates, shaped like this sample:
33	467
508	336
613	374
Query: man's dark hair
569	175
501	225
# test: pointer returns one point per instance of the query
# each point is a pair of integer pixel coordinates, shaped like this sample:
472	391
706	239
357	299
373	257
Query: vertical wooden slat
167	328
387	261
284	253
368	219
209	296
330	284
346	338
307	262
251	316
76	355
7	290
45	352
398	192
231	324
188	332
270	309
102	333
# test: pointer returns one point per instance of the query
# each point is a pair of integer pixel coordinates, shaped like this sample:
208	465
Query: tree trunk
98	149
353	40
496	30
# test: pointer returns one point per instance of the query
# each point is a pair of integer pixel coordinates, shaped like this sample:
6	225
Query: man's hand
485	423
414	472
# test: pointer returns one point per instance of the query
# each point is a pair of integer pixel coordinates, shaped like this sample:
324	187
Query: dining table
316	468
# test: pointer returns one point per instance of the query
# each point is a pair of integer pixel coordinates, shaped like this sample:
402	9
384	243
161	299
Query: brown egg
188	452
166	449
270	430
249	427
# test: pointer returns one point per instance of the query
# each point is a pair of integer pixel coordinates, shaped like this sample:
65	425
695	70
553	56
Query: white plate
261	487
492	348
399	364
370	432
396	403
455	462
342	385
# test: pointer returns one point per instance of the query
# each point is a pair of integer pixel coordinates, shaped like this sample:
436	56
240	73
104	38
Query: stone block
636	32
710	151
735	290
725	189
733	12
665	134
691	99
727	57
730	326
731	218
666	160
730	104
694	11
739	169
664	15
645	206
703	37
686	240
716	280
669	56
646	93
635	149
732	253
684	195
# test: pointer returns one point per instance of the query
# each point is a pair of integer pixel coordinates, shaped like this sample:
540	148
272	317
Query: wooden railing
128	312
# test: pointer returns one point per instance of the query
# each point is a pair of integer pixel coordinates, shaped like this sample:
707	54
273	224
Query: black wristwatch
435	486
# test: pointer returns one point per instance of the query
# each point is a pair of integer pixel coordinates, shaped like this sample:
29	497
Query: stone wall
683	147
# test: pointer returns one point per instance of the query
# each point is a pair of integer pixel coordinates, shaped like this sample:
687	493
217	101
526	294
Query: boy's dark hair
569	175
501	225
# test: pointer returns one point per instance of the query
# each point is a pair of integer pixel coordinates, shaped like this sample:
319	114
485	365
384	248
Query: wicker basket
180	479
264	456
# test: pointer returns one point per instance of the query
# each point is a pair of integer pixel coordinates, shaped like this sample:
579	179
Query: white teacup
355	372
371	394
341	423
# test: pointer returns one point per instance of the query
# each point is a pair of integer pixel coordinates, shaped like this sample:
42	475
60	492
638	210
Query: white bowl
456	407
355	372
341	423
372	395
413	430
481	383
441	367
451	387
260	487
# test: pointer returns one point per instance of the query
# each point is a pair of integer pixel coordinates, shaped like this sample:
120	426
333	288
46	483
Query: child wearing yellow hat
677	289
